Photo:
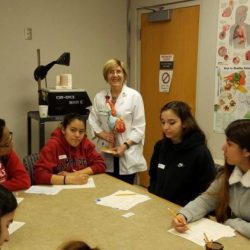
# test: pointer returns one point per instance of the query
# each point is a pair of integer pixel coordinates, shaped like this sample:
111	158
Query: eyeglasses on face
7	141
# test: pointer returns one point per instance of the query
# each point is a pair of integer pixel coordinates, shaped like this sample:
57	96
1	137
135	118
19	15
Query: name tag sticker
161	166
60	157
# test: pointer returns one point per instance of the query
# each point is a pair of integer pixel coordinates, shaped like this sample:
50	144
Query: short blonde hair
114	63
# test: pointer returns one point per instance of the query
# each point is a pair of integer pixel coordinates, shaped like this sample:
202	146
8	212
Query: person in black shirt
181	166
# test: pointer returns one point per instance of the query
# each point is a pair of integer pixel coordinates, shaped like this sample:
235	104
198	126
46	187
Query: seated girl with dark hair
181	166
13	174
68	157
229	194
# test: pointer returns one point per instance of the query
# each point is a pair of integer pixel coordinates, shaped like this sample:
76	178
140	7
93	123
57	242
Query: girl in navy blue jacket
181	166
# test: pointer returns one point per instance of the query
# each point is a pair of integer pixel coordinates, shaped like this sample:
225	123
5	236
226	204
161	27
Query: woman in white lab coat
117	119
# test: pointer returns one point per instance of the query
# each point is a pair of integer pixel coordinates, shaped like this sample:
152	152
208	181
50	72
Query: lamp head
64	59
41	71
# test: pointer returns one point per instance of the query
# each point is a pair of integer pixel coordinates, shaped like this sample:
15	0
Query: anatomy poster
232	91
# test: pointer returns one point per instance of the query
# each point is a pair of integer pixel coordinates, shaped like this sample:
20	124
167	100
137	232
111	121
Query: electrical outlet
28	33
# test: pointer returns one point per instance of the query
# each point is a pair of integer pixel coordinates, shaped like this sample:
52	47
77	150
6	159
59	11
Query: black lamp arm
41	71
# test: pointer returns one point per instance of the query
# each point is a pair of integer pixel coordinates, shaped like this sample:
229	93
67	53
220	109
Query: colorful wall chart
232	79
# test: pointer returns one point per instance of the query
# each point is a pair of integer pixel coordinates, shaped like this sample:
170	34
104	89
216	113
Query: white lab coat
129	106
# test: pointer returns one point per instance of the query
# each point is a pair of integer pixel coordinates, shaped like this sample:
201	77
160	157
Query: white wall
206	62
91	30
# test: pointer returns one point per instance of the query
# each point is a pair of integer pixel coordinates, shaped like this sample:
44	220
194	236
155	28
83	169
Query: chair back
29	161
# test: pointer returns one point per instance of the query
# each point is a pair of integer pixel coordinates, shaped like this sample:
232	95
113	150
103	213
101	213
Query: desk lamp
41	71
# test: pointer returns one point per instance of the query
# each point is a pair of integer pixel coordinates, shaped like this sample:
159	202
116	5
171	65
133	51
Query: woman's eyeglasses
7	141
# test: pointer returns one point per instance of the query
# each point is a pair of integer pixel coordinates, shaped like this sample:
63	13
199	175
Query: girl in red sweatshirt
13	174
68	157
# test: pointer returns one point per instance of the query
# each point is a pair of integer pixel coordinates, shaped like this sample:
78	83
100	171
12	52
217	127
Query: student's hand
179	223
64	173
76	179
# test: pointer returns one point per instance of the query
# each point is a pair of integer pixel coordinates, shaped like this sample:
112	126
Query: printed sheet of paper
14	226
122	199
49	190
55	189
212	229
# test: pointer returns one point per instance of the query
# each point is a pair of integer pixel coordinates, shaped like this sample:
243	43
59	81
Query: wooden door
180	38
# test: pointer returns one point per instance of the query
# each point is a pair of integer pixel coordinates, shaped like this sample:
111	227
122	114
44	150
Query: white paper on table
89	184
49	190
122	199
212	229
18	199
127	215
55	189
14	226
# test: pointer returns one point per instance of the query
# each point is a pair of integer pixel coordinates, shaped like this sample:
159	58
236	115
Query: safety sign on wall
166	72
